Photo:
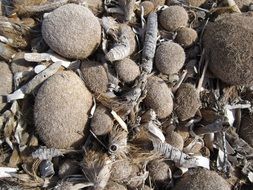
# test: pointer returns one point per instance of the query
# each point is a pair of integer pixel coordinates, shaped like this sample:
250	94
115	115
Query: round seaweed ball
111	185
175	139
72	31
246	129
121	170
186	36
127	70
169	58
148	7
60	110
173	17
228	42
6	82
101	122
159	97
94	76
187	101
202	179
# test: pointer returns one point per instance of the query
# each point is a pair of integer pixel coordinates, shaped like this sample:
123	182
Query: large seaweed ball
169	58
5	82
228	42
121	170
186	36
95	76
159	97
60	110
174	139
72	31
202	179
101	122
173	17
246	129
187	101
111	185
127	70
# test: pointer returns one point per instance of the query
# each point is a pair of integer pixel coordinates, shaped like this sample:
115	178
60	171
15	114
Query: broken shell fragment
61	108
67	30
186	36
169	58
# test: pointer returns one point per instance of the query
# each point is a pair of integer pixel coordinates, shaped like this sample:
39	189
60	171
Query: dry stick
201	80
174	89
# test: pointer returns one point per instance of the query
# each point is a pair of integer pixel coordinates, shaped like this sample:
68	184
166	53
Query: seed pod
6	82
202	179
69	167
187	101
226	41
159	97
78	40
186	36
173	17
95	77
111	185
61	107
121	170
169	58
101	122
175	139
148	7
127	70
246	129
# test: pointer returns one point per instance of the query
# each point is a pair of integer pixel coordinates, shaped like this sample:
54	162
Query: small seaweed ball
121	170
169	58
174	139
159	97
72	31
202	179
173	17
187	101
246	129
111	185
5	81
60	110
148	7
186	36
101	122
228	42
127	70
95	76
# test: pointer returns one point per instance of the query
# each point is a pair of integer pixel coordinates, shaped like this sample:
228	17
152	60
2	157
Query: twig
201	80
174	89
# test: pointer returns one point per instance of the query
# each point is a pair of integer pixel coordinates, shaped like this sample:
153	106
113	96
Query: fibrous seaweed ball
175	139
187	101
95	76
127	70
5	81
159	97
173	17
246	129
72	31
148	7
60	110
69	167
111	185
101	122
169	58
202	179
186	36
228	44
121	170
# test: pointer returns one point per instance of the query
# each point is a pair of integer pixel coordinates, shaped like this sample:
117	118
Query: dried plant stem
174	89
201	80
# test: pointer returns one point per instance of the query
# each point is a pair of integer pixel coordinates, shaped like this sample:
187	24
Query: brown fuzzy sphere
127	70
69	167
5	81
148	7
121	170
202	179
159	171
111	185
186	36
246	129
60	110
175	139
195	3
173	17
187	101
228	42
101	122
159	97
72	31
169	58
95	76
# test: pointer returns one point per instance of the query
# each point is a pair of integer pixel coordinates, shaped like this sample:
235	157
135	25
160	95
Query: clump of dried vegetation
126	94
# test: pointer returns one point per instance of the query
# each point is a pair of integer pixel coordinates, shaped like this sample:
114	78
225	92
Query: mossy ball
187	101
175	139
6	82
60	110
159	97
101	122
111	185
173	17
127	70
169	58
148	7
72	31
195	3
94	76
228	43
246	129
202	179
159	171
186	36
121	170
